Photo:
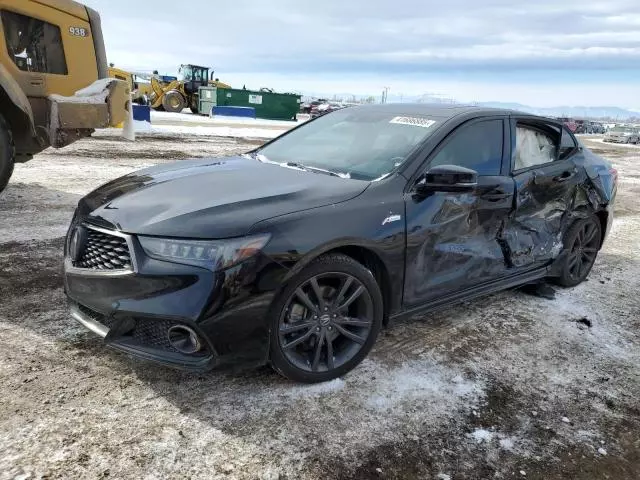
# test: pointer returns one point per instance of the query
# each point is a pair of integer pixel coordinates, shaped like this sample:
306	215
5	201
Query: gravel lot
509	386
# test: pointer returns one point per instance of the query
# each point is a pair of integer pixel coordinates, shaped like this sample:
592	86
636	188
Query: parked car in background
570	123
325	108
306	107
623	134
298	253
588	127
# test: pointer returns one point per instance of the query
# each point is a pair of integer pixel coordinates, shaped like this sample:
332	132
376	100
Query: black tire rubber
565	279
7	153
166	101
323	264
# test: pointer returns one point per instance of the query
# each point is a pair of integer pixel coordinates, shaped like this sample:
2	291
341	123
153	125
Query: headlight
212	254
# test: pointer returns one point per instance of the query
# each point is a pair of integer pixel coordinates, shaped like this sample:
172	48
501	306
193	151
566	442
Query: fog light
184	339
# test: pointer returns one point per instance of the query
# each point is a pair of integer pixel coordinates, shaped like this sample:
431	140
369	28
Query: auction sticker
415	121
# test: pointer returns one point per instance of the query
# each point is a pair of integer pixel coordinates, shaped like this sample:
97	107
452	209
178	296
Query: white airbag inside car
533	148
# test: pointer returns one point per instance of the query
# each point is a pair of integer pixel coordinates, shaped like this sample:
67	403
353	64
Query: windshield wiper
317	170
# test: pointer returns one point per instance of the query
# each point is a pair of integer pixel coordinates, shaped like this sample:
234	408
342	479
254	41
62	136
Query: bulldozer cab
194	77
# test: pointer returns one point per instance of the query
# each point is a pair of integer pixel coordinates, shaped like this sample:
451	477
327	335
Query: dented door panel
544	200
454	240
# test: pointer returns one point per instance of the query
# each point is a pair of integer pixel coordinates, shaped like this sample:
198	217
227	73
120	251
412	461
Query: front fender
16	96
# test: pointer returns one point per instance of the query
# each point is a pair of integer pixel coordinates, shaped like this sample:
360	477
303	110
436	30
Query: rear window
34	45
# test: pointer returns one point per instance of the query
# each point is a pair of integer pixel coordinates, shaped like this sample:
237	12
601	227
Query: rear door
543	165
453	238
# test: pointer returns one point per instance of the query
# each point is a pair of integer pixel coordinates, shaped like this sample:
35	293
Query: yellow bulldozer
179	94
54	84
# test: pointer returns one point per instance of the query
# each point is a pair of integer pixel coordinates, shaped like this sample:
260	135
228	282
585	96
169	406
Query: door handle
564	176
495	196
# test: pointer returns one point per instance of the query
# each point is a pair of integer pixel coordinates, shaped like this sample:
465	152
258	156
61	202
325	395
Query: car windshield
352	142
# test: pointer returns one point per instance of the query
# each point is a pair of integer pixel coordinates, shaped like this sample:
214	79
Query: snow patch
506	443
417	381
481	435
95	93
316	389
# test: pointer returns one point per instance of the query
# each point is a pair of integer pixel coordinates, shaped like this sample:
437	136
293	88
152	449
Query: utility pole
385	93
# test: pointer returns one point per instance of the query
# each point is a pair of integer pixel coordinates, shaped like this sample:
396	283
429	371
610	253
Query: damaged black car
299	252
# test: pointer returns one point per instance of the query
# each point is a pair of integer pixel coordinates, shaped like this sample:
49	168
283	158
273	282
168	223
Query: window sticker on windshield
415	121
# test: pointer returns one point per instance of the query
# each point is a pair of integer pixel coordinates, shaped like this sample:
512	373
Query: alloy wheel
326	322
583	251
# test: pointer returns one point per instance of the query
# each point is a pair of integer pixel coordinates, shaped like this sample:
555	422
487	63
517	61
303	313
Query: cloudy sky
541	53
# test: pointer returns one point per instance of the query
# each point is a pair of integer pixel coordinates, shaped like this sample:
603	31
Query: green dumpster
269	105
207	98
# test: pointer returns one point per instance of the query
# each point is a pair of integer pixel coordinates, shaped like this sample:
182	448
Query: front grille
104	252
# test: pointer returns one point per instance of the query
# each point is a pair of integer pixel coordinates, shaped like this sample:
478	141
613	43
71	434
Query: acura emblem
78	240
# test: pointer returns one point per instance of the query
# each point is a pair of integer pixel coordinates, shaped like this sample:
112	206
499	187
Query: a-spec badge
391	218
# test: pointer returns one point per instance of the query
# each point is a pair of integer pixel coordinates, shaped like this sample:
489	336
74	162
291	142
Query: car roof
442	110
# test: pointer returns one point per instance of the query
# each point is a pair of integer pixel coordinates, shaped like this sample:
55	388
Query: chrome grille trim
77	270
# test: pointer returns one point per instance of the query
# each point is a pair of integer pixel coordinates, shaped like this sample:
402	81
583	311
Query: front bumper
140	340
133	310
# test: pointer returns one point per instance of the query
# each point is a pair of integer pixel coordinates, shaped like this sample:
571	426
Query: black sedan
298	253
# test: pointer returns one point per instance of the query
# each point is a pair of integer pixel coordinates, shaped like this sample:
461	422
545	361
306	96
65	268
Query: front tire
582	243
173	101
326	320
7	153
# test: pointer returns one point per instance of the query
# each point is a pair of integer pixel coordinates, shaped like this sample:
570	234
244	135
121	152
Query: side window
34	45
533	147
567	144
477	146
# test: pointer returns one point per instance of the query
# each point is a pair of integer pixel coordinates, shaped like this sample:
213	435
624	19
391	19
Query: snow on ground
173	124
145	129
479	390
187	117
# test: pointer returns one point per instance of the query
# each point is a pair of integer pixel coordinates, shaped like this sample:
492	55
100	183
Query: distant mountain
615	113
565	111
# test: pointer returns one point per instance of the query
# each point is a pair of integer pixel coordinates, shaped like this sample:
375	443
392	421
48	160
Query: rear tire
7	153
173	101
326	320
581	243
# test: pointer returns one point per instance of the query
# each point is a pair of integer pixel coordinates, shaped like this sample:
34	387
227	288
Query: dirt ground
508	386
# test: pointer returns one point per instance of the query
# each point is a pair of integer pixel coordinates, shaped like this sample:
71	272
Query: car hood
210	198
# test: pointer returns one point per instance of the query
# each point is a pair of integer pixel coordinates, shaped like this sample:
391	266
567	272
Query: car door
452	237
544	168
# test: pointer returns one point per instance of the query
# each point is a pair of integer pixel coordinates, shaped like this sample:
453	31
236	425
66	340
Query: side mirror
447	178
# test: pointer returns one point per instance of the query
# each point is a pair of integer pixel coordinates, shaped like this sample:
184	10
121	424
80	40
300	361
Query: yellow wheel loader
179	94
140	90
54	85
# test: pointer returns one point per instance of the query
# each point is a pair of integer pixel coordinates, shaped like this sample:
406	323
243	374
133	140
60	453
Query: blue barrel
228	111
142	113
